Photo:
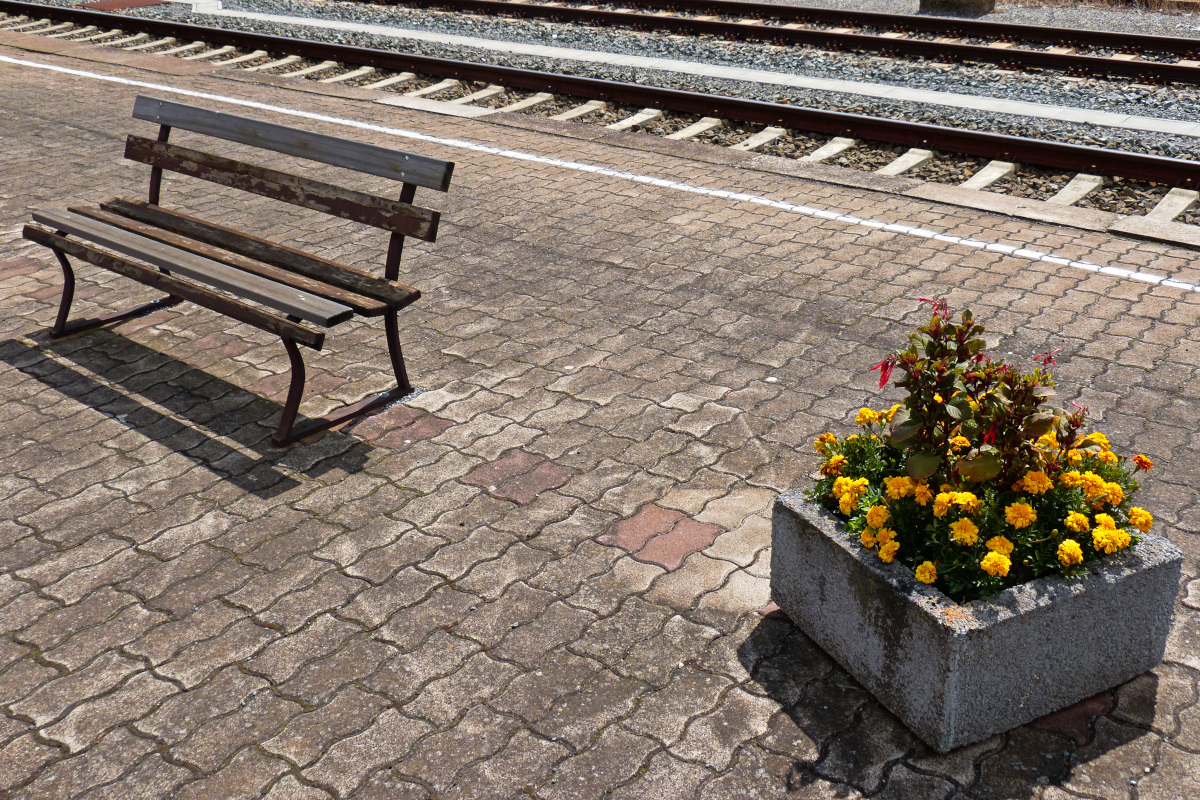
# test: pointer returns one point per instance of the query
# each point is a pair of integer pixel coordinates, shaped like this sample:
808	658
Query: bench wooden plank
363	305
430	173
282	298
396	295
177	288
380	212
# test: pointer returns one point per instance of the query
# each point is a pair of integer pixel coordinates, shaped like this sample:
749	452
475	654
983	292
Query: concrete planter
958	674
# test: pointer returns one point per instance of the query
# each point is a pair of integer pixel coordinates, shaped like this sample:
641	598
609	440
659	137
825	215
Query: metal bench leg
63	328
288	432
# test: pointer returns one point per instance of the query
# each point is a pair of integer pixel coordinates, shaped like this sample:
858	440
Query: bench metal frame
298	287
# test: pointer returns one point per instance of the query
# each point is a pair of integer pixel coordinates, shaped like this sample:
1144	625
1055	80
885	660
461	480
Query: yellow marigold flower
884	535
1093	485
999	544
1074	457
877	516
855	487
866	417
839	487
941	503
1049	441
1142	462
1106	521
848	504
834	465
937	398
1109	457
867	537
968	502
922	494
1071	480
1096	437
945	487
1116	495
1141	519
996	564
1020	515
824	442
959	442
927	572
1069	553
887	552
964	532
1110	540
898	487
1077	522
1035	483
891	412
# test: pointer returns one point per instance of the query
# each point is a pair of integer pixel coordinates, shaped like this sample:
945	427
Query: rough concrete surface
548	575
958	674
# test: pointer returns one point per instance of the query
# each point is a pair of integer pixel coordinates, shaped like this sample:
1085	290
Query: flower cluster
973	481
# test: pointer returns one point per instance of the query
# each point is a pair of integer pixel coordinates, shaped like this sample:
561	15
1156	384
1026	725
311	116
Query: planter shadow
837	731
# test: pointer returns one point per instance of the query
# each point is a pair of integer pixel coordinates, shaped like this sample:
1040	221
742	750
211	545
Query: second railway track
1062	173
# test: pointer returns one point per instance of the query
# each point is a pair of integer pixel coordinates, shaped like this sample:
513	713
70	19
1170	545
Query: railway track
1148	59
1063	174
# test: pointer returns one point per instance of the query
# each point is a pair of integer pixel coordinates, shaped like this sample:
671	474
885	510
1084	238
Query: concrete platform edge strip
802	210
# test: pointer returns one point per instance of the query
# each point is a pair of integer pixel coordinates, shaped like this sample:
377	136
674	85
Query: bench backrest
400	216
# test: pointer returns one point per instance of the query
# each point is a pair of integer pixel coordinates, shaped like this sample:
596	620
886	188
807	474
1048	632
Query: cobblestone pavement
548	575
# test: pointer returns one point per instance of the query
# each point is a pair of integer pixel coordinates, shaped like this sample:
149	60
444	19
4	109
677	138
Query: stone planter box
958	674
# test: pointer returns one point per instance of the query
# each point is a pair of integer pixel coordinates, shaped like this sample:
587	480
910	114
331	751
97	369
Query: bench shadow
836	731
201	414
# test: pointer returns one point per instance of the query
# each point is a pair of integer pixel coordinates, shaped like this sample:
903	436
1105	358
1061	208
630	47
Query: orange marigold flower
867	537
1070	553
866	417
1096	437
996	564
999	544
898	488
941	503
968	502
964	532
1020	515
1077	522
1074	457
1109	457
1116	495
927	572
1071	479
887	552
885	535
877	516
1141	519
1106	521
824	442
922	494
1035	483
1142	461
1093	485
834	465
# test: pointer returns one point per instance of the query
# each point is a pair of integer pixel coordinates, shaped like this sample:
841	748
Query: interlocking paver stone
554	564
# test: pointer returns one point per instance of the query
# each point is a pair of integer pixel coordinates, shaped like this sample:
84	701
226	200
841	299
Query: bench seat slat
396	295
363	305
431	173
282	298
389	215
188	291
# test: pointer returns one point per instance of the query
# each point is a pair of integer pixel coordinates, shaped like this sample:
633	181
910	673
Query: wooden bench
275	287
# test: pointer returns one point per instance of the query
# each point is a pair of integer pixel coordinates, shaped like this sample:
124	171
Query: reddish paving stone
514	462
1075	721
631	534
426	427
670	549
523	489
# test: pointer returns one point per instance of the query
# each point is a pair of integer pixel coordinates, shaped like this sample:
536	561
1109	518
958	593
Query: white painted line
951	99
633	177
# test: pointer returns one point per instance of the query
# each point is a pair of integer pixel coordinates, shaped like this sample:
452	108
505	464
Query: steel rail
857	42
945	26
1055	155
